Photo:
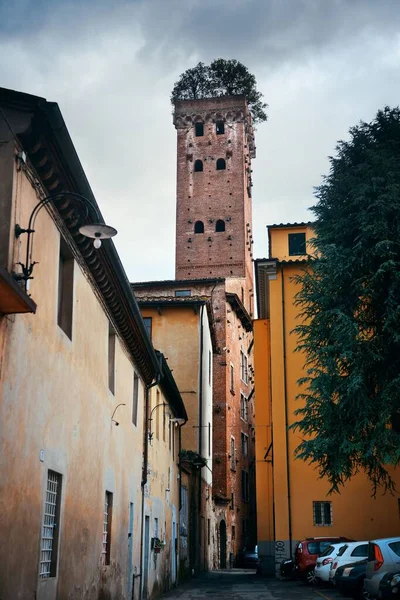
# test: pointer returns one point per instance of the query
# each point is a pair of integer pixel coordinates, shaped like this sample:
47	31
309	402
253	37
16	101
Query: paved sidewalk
239	584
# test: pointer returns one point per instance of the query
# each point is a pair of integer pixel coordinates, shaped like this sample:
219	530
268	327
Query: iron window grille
105	552
49	542
322	514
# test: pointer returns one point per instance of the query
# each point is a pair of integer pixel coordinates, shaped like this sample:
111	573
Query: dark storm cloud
111	65
260	32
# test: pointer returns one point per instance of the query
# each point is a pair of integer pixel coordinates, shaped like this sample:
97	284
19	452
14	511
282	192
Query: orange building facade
292	501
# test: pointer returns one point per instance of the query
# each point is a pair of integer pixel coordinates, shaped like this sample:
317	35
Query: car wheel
310	577
364	595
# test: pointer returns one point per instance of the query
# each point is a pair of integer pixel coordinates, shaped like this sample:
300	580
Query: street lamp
96	231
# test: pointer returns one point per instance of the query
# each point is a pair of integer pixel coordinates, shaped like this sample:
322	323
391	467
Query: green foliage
221	78
349	301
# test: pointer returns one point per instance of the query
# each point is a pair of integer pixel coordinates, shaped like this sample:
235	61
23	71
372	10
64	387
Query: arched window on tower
221	164
220	225
198	166
199	129
220	127
199	227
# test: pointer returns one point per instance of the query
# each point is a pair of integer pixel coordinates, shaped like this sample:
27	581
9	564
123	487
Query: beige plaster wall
55	413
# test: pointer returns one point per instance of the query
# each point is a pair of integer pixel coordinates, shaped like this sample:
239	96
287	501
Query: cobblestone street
237	584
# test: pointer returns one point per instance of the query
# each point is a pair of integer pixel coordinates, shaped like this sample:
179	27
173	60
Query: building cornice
52	155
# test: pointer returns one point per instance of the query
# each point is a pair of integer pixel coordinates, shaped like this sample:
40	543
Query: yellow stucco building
292	501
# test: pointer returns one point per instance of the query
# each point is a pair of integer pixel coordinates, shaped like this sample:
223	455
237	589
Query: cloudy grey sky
322	65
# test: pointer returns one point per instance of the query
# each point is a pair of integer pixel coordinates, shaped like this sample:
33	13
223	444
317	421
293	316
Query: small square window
182	293
199	129
220	127
322	513
297	244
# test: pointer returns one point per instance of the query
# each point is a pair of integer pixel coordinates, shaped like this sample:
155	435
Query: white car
324	561
350	552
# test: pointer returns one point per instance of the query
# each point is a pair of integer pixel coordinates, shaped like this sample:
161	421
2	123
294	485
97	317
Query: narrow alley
239	584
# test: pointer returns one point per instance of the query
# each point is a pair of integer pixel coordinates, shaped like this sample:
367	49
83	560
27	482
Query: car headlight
395	580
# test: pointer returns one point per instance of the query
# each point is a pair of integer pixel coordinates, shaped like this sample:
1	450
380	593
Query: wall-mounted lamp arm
97	231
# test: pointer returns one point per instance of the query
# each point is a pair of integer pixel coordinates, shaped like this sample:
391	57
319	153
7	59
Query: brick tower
213	216
214	251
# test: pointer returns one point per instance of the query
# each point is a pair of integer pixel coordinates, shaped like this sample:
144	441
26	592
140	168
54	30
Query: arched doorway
222	545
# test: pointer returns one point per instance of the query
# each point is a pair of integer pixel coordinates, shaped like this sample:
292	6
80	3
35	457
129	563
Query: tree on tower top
221	78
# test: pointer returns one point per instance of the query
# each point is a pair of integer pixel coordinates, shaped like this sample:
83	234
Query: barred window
107	518
50	529
322	513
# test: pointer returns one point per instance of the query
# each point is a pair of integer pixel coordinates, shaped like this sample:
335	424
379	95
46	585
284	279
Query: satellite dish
98	232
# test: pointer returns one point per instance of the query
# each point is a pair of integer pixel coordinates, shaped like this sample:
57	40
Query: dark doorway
222	545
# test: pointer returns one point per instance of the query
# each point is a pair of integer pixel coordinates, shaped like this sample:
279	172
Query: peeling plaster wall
55	413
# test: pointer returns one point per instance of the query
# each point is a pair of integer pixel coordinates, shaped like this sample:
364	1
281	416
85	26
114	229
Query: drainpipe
144	473
286	409
200	430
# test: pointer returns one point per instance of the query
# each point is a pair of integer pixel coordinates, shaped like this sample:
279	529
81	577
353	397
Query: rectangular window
233	532
107	518
322	513
243	367
111	360
297	244
232	379
199	129
208	532
220	127
245	444
182	293
169	435
164	423
244	410
65	290
135	399
156	532
245	486
232	454
157	411
148	324
51	527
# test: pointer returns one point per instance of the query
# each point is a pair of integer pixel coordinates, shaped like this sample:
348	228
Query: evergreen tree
349	301
221	78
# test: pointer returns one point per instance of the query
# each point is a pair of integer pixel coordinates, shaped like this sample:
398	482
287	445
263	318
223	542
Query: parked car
324	562
349	579
389	586
248	558
307	552
383	558
349	553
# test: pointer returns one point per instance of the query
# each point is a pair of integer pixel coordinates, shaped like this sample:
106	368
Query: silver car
383	557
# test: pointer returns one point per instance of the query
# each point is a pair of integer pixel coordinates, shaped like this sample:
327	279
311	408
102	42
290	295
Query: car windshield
327	551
